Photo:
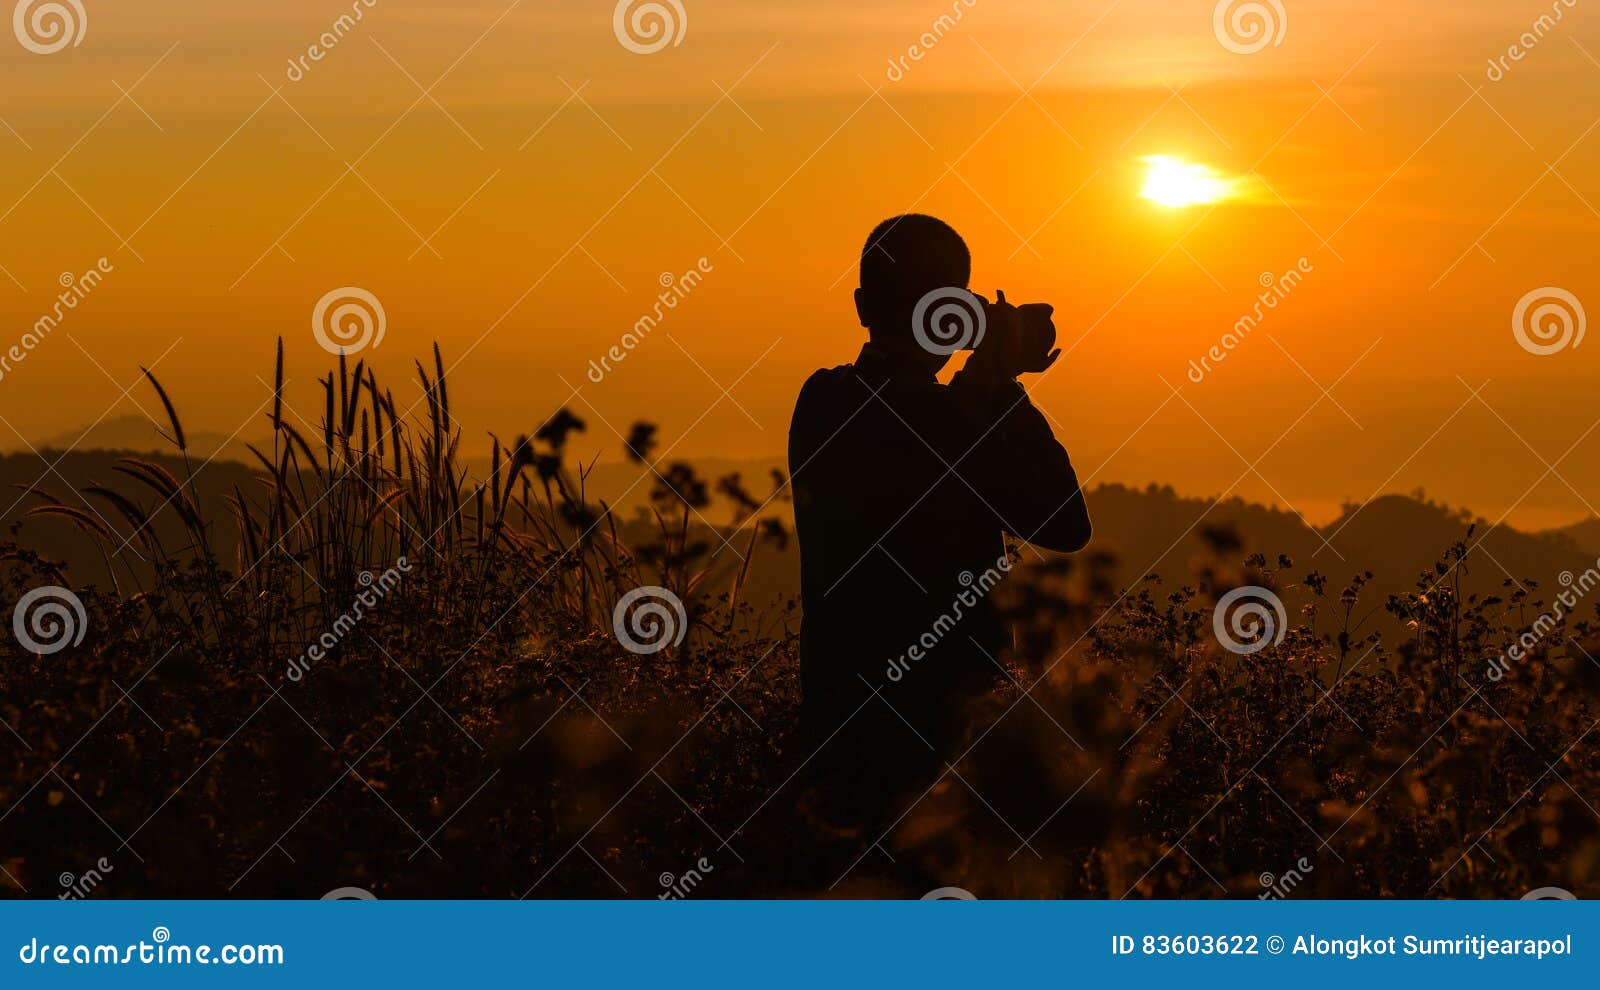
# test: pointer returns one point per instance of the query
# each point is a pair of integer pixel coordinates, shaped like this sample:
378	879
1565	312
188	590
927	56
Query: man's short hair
908	256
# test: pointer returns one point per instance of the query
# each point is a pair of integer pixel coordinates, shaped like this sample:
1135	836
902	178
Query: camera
1022	337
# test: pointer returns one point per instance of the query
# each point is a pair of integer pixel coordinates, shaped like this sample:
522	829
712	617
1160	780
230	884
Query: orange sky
527	228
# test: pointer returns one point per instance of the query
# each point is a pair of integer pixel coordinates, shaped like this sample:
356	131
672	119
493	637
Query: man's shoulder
825	376
826	380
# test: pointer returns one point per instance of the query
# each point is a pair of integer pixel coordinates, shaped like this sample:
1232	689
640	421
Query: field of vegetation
406	678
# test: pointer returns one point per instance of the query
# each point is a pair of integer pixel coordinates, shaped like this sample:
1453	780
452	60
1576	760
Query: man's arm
1018	467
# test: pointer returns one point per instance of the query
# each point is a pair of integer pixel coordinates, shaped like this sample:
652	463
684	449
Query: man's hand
1016	340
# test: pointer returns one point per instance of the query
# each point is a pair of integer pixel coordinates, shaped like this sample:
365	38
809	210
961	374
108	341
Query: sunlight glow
1175	183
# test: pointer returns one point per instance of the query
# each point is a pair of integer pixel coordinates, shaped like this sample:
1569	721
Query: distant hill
1584	535
1150	530
74	472
139	434
1395	536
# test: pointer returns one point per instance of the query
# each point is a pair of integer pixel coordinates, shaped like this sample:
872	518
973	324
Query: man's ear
861	308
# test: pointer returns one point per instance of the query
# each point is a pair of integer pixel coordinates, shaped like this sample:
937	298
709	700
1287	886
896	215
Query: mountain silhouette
139	434
1151	530
1585	535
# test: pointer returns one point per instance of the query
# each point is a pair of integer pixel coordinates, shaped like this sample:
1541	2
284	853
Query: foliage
479	731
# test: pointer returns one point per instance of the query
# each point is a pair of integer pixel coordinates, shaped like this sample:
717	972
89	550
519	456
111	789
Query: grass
480	732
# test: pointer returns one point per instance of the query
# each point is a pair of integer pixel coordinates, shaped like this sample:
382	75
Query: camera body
1024	337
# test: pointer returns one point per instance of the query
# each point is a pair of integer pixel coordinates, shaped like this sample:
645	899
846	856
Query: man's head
904	259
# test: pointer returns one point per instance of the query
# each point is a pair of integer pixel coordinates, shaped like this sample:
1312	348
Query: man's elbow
1081	536
1076	538
1067	535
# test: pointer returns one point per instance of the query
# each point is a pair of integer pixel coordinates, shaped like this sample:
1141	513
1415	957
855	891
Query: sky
521	182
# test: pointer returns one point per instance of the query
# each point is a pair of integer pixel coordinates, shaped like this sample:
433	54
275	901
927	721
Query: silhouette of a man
903	489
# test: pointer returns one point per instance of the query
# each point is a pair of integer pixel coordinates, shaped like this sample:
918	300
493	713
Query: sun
1175	183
